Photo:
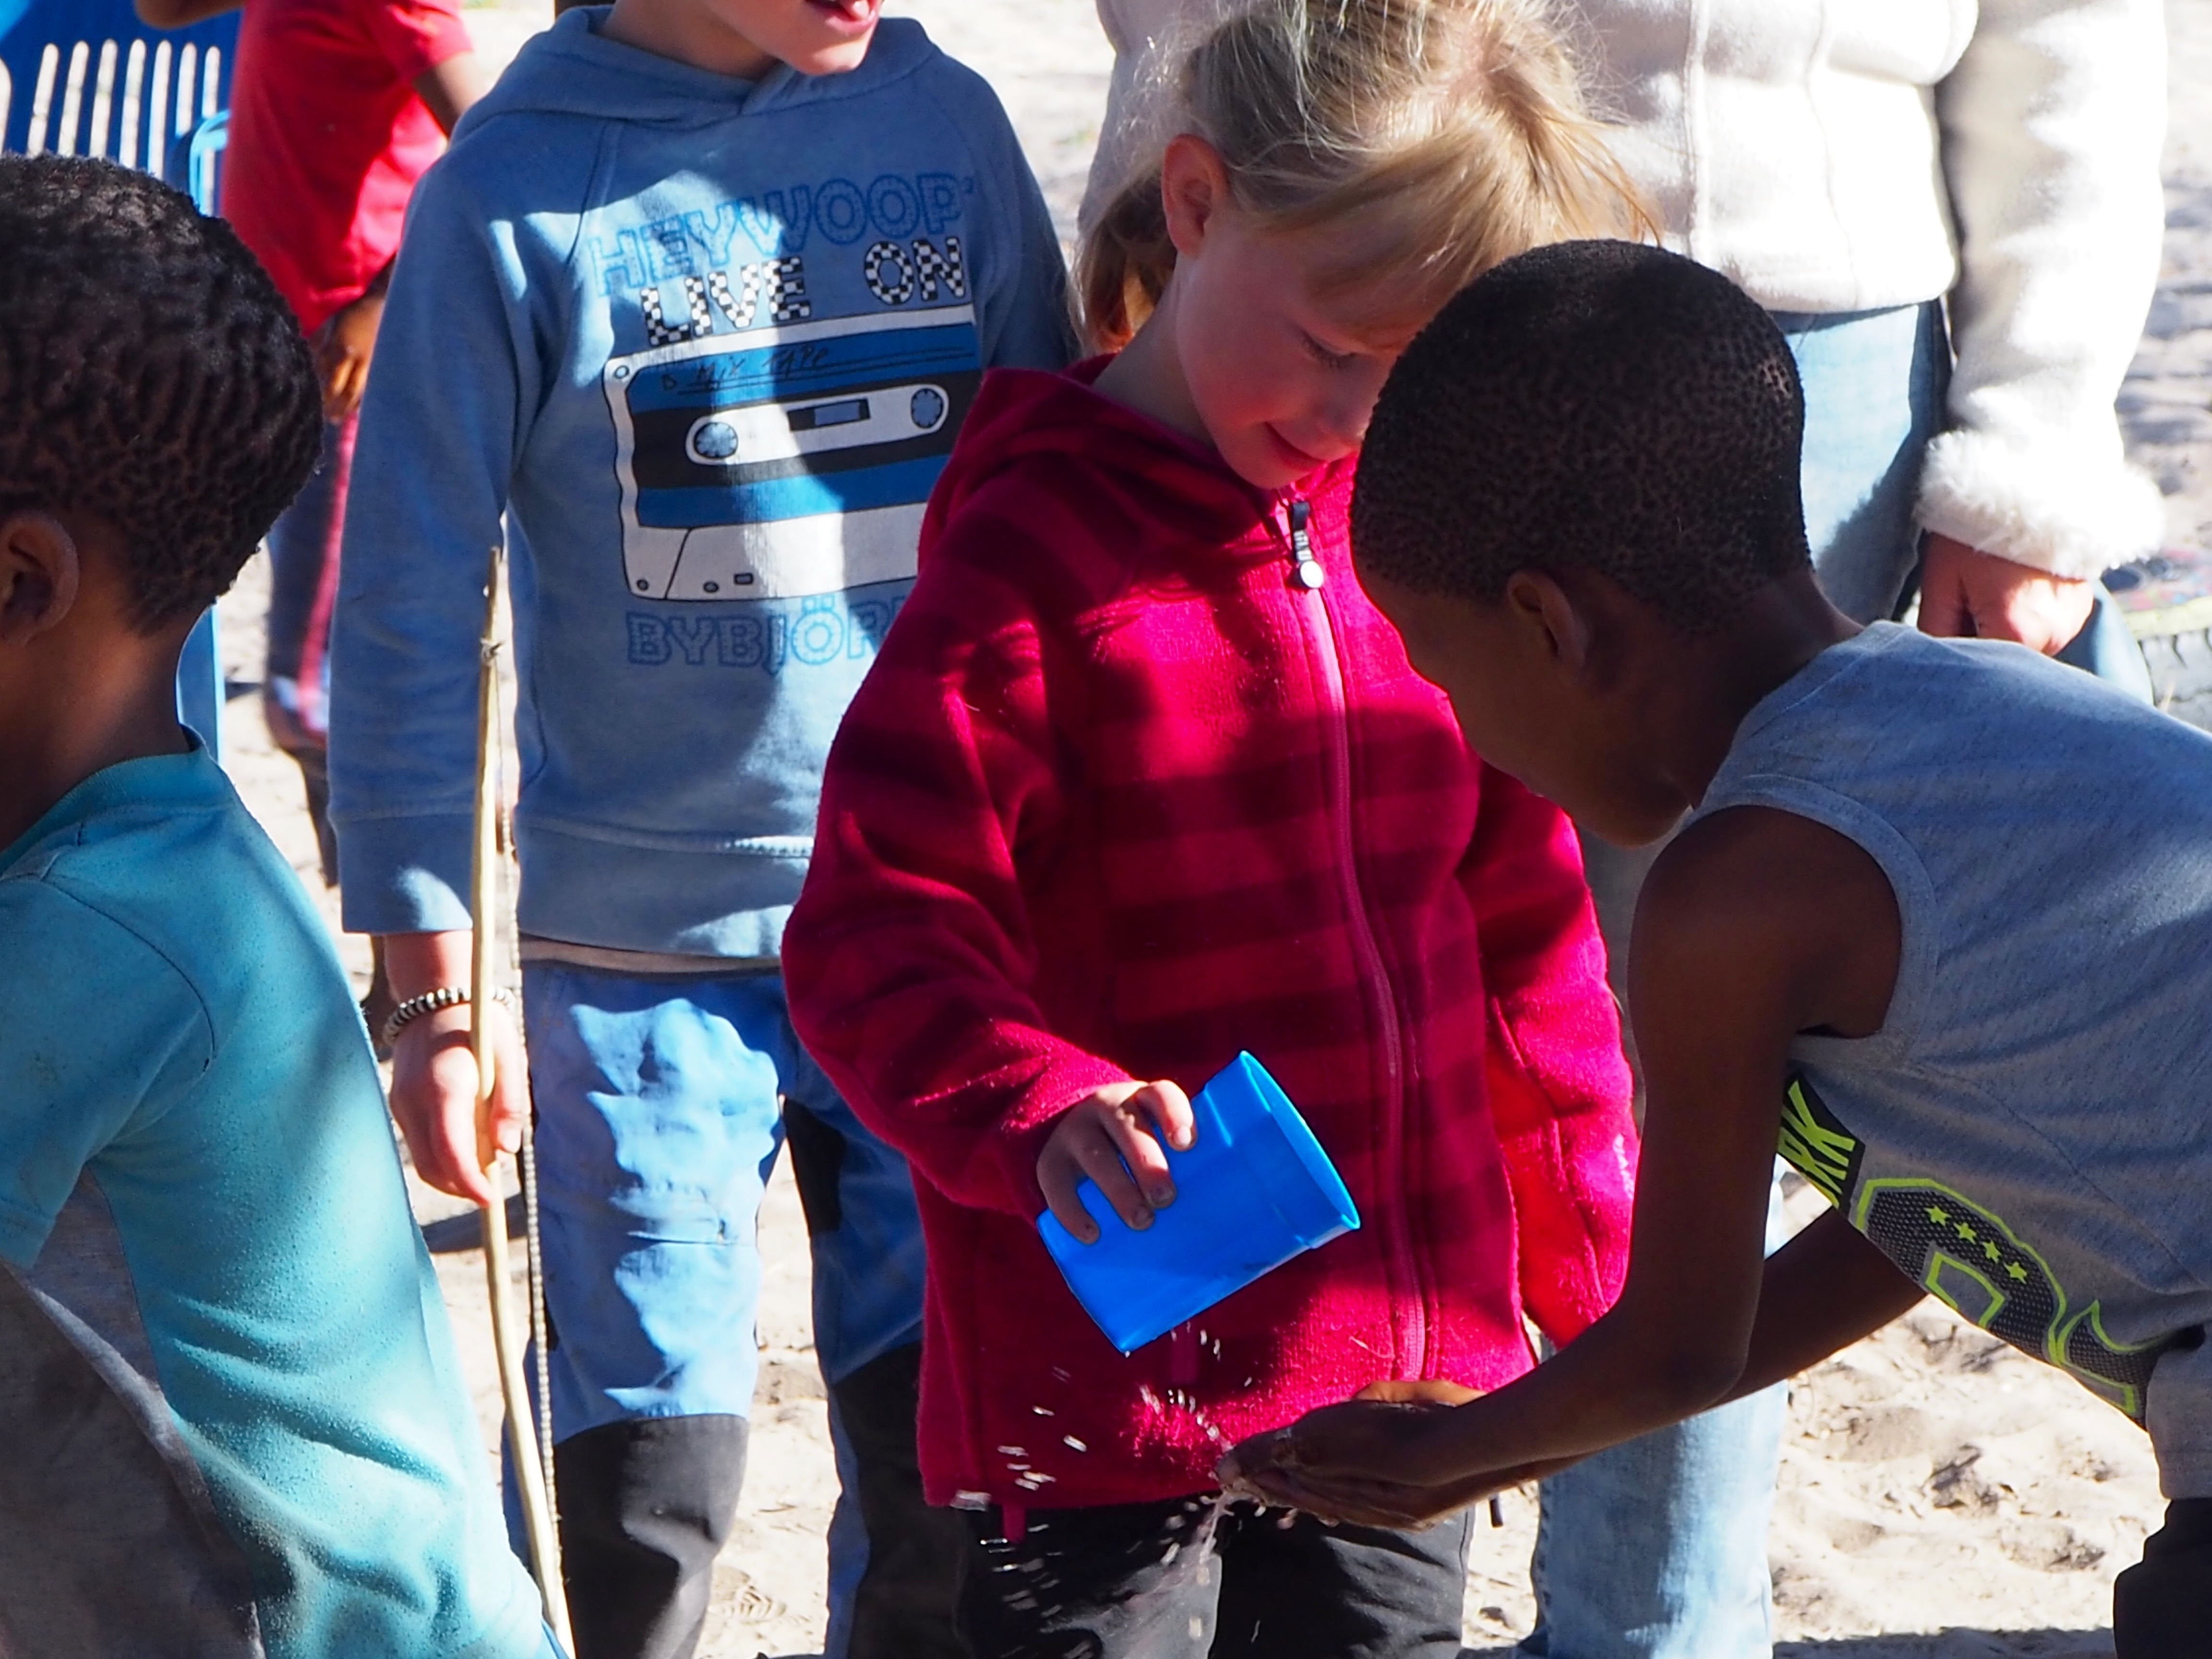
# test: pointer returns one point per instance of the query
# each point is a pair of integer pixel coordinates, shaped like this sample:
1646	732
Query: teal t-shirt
179	1056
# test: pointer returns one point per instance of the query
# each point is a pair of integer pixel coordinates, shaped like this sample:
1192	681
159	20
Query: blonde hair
1447	135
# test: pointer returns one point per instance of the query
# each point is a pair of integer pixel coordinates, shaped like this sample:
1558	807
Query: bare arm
1755	925
447	88
1823	1291
181	13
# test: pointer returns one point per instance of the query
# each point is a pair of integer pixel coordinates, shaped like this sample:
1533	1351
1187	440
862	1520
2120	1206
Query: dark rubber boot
645	1508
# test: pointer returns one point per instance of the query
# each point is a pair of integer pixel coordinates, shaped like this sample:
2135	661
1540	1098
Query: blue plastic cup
1254	1189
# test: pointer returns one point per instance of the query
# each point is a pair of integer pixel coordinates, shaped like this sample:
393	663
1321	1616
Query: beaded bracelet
430	1002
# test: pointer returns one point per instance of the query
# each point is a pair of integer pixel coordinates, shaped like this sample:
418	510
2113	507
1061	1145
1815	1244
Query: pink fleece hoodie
1120	796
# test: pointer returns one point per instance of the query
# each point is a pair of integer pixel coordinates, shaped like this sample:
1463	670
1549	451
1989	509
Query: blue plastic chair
86	77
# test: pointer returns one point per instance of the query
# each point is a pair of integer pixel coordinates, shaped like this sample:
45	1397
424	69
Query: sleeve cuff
1023	1134
2053	510
407	875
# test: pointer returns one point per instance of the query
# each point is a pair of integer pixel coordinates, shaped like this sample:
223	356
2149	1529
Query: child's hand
1408	1391
433	1073
1104	1137
342	347
1372	1461
433	1100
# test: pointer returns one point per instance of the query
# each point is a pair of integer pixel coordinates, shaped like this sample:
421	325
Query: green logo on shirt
1982	1271
1967	1257
1815	1144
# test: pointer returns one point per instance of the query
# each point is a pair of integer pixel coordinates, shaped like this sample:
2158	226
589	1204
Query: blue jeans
1874	385
1657	1548
660	1119
303	573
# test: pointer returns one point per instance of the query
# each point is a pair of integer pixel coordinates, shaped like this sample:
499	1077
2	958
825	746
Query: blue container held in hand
1254	1189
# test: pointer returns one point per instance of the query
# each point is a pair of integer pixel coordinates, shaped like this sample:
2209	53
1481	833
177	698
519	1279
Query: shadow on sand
1944	1644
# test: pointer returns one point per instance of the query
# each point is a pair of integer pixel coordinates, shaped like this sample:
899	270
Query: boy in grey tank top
1941	918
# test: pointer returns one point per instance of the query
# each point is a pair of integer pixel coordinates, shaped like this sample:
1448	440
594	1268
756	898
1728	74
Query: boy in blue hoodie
697	300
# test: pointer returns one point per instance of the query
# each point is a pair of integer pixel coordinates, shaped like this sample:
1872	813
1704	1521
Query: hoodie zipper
1307	577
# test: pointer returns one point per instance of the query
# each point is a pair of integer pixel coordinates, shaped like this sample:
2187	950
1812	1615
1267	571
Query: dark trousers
903	1607
1125	1581
2162	1606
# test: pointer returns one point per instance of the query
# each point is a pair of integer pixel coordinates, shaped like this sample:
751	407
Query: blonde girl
1141	779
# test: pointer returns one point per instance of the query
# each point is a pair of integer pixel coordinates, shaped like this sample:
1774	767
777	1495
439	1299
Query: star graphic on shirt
1938	1214
2018	1273
1965	1230
1991	1251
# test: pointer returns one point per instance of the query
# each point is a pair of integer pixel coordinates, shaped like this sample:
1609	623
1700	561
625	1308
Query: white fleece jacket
1843	156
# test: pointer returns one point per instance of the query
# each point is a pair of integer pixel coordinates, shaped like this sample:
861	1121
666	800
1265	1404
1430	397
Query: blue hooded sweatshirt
705	343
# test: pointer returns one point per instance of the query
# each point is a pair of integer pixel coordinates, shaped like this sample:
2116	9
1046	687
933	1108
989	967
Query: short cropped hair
1601	405
150	374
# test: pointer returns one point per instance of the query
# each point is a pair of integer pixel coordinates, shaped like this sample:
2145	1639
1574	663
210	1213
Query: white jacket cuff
2055	512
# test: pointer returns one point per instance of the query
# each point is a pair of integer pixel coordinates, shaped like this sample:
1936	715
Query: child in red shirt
1140	779
337	108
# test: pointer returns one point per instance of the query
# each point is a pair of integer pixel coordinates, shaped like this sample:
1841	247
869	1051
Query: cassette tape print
786	462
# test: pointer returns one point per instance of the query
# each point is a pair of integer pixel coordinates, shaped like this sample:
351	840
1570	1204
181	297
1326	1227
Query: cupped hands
1380	1459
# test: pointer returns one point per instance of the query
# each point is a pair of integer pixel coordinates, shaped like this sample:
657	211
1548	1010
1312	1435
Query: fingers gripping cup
1254	1189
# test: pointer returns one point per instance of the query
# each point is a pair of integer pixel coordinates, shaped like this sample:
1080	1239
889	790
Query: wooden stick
533	1477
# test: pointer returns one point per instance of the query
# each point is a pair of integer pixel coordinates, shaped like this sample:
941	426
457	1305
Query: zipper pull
1306	569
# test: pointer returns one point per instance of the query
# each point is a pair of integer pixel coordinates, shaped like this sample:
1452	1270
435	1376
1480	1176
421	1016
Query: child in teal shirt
197	1182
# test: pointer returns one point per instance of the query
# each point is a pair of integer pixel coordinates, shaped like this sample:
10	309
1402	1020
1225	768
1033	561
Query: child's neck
687	32
1147	375
58	728
1780	629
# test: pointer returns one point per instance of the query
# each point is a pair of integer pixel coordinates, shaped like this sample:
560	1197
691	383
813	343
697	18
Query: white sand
1940	1495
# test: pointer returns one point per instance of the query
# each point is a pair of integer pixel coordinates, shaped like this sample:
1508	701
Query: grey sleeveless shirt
2029	1135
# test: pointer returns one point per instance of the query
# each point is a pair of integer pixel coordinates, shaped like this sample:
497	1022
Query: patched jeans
662	1106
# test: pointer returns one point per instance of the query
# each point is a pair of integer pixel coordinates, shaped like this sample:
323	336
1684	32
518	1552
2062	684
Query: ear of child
40	568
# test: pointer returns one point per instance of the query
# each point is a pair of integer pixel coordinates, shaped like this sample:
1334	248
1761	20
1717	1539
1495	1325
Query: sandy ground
1940	1494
